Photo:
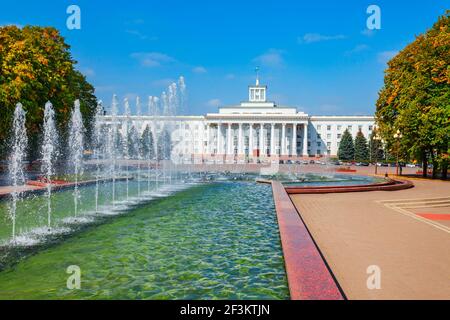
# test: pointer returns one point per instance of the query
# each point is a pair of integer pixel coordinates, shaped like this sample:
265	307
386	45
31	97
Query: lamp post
398	136
377	139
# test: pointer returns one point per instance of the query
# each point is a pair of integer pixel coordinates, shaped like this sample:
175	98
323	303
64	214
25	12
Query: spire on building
257	93
257	76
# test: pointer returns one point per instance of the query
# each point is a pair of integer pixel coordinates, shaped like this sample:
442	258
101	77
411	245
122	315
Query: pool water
316	180
217	240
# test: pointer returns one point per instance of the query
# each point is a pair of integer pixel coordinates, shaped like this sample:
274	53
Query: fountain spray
137	146
112	138
49	153
126	143
15	168
76	132
97	148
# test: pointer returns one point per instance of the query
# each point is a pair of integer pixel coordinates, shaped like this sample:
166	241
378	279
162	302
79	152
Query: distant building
253	130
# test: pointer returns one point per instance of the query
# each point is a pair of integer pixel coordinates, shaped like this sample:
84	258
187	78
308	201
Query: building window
329	145
339	127
257	95
319	127
360	127
319	144
318	136
370	128
349	128
339	135
328	127
329	136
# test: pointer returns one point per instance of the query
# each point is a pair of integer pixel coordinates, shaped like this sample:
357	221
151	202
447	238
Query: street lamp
376	138
398	136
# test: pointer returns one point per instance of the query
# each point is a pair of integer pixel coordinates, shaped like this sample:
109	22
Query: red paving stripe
435	216
307	273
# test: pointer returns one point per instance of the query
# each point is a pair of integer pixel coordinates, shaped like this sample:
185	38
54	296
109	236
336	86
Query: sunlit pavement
405	233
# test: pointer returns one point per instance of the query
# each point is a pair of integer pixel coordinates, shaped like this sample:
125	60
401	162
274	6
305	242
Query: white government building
255	130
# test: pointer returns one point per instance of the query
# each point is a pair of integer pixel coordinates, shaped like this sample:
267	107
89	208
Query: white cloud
357	49
199	70
213	103
385	56
317	37
140	35
152	59
273	58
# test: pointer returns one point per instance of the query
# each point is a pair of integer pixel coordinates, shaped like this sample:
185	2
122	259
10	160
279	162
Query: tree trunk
424	164
444	170
434	172
434	162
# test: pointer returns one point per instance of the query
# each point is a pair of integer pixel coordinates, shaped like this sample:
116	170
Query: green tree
415	99
164	145
133	143
376	148
35	67
147	144
346	150
361	148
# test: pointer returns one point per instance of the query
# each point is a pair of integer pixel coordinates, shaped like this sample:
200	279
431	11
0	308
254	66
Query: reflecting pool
215	240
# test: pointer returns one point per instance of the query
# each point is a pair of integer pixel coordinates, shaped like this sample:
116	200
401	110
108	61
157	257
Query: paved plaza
405	233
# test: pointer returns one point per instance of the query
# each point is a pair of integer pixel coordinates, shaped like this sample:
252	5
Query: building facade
254	130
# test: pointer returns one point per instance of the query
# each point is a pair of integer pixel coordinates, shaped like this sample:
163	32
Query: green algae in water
217	241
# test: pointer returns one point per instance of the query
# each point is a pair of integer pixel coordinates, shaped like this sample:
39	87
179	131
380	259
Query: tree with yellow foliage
415	99
35	67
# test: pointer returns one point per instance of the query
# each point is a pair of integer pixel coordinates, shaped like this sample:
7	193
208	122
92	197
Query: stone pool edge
309	278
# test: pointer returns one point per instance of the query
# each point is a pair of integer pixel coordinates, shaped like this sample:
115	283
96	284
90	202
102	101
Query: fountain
182	96
126	144
16	172
137	145
76	146
122	142
111	147
161	140
97	149
153	112
49	153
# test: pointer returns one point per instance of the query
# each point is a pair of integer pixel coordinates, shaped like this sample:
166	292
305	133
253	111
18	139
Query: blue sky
315	55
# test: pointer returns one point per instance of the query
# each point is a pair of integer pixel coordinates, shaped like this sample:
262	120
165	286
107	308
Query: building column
208	139
240	144
305	140
261	140
250	141
218	138
272	139
229	149
294	140
283	140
